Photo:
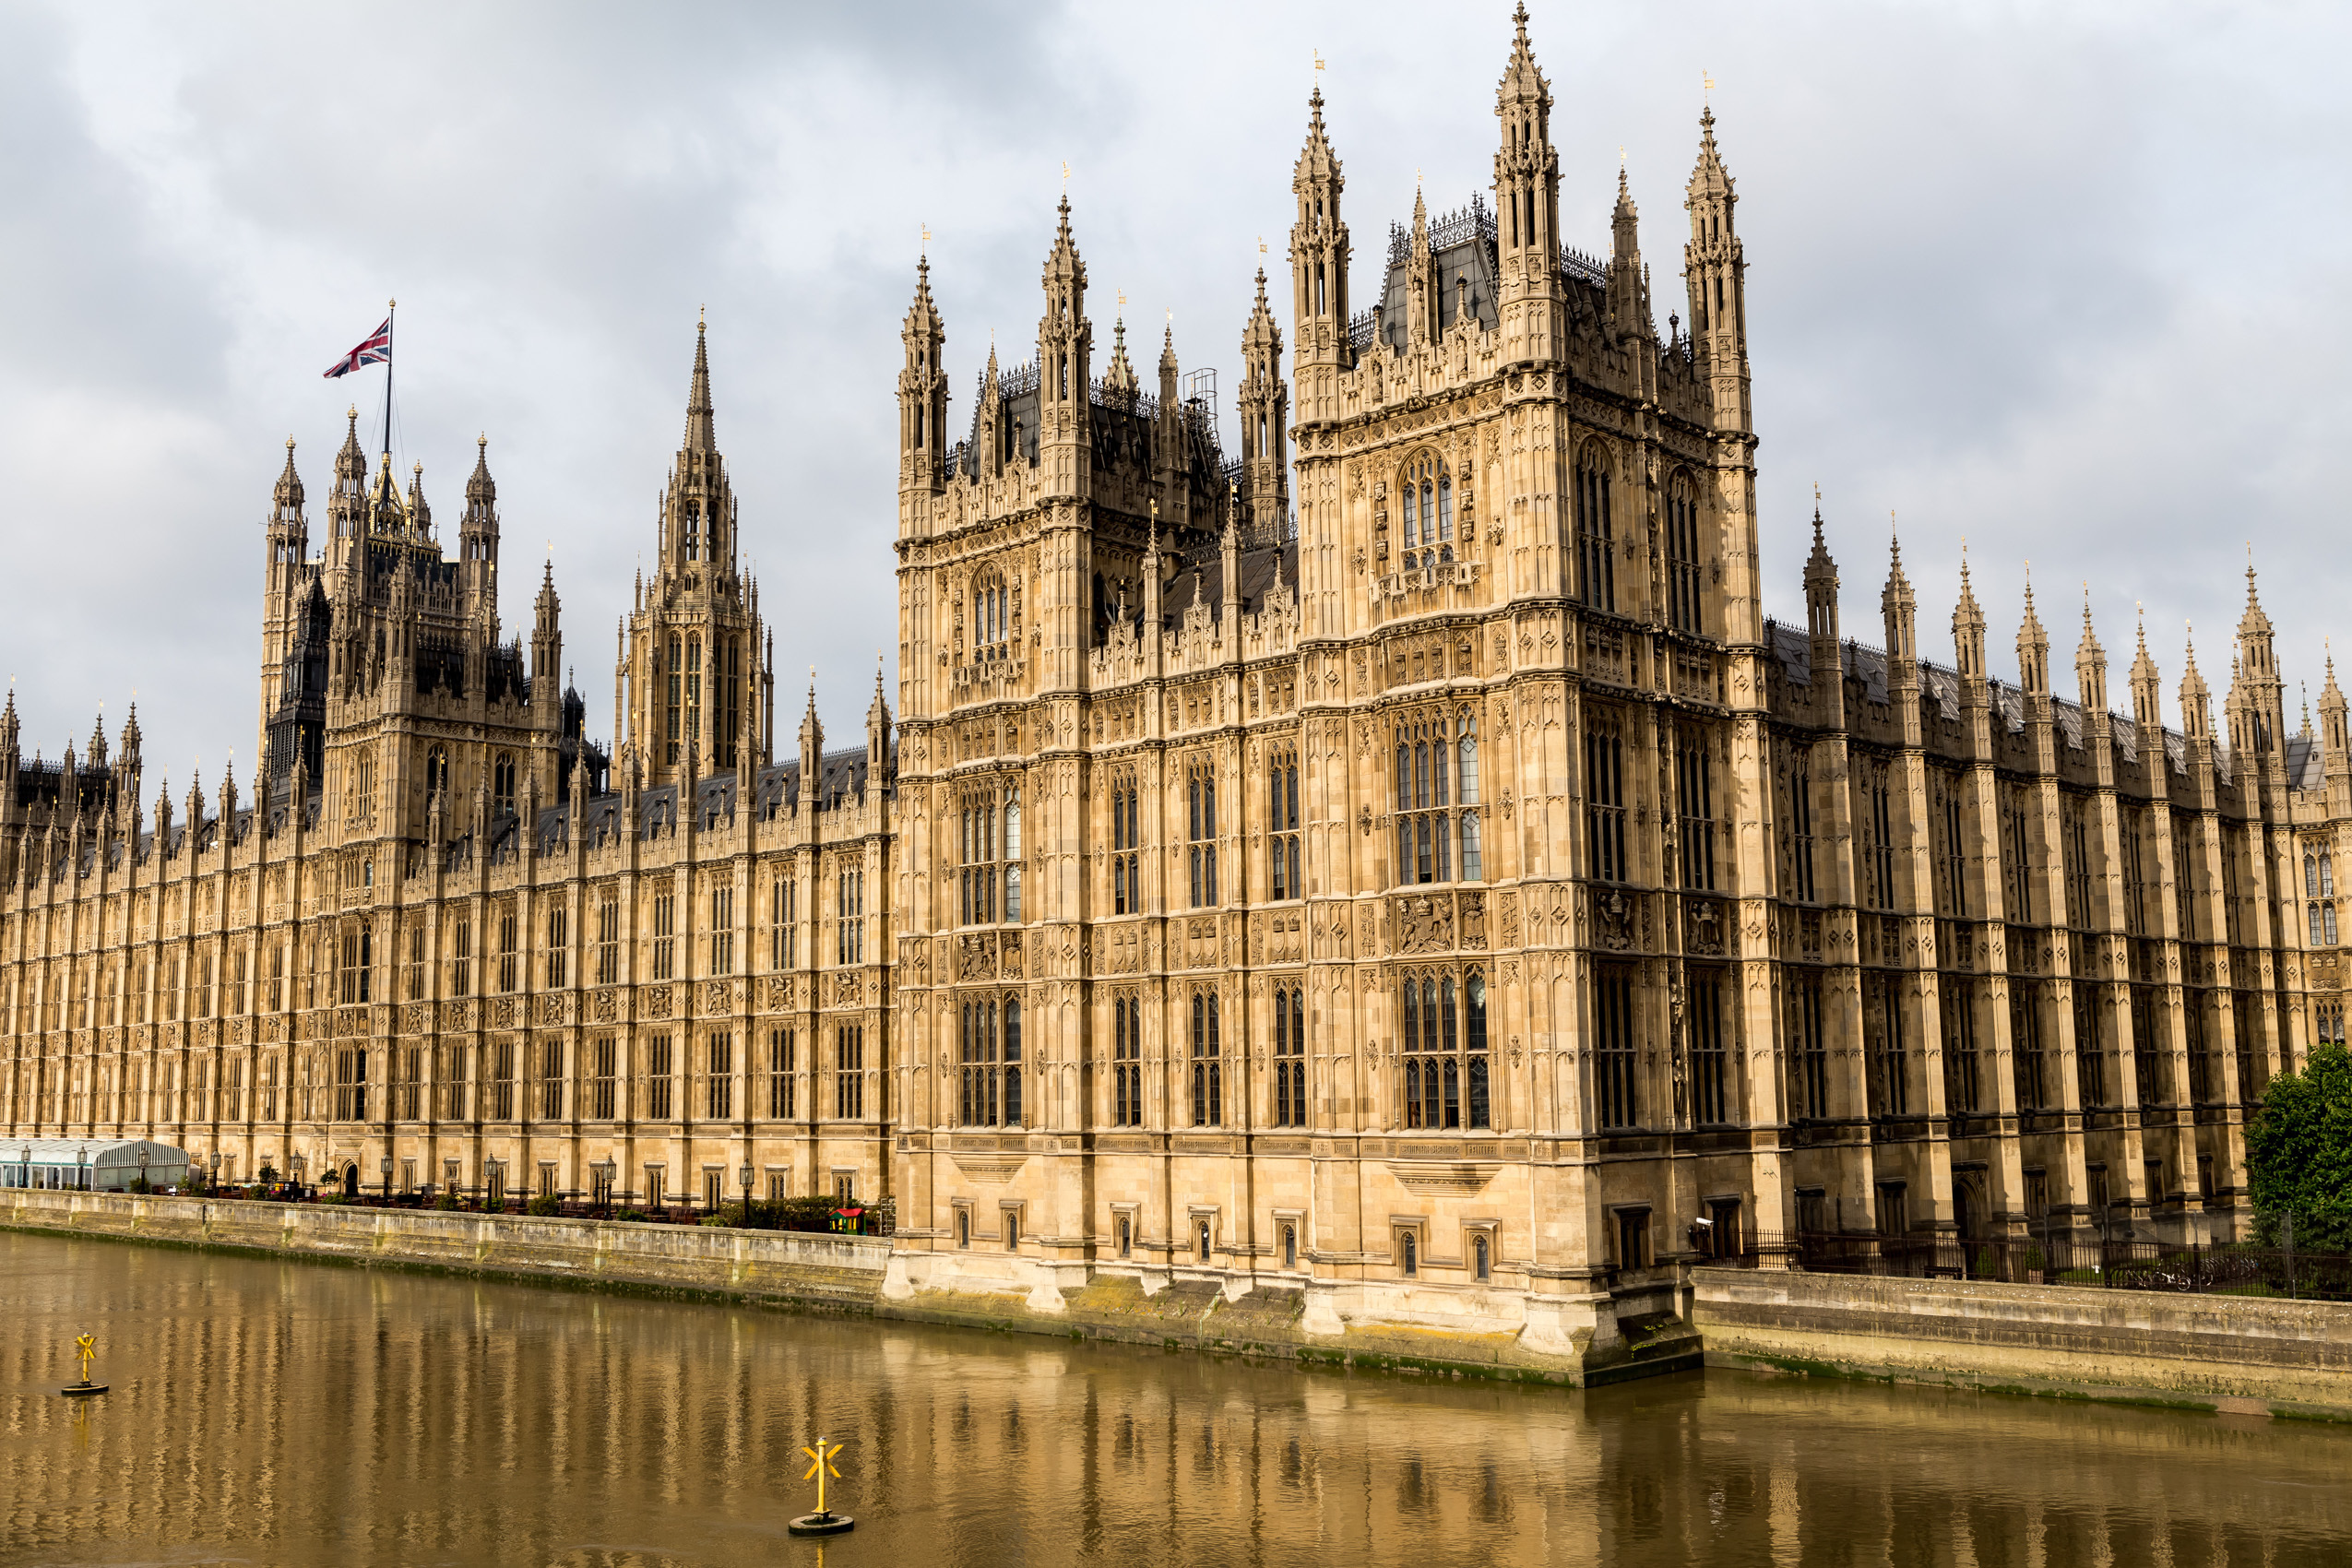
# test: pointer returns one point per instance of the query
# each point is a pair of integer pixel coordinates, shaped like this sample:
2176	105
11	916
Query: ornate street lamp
387	1168
144	1185
605	1170
746	1174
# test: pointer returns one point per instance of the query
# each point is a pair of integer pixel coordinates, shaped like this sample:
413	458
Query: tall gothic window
722	931
1878	837
1200	800
2017	855
991	616
2030	1066
1801	826
849	926
502	784
1436	797
608	941
783	945
436	773
1811	1091
989	846
1616	1061
990	1054
1446	1054
1951	853
665	935
1963	1067
849	1072
1883	1024
1127	1063
1702	1011
1603	799
1289	1058
1695	801
1596	561
1209	1065
1126	864
1683	579
1425	501
559	932
1282	827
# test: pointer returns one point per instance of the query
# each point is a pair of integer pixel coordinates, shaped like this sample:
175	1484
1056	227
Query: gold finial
1261	245
1318	54
290	445
926	239
1122	299
1621	155
1707	86
392	304
702	317
1066	176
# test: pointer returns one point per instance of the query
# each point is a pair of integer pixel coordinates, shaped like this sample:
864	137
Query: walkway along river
281	1412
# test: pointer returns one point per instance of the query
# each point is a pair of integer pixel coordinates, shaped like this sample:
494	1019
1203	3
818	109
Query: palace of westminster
1395	859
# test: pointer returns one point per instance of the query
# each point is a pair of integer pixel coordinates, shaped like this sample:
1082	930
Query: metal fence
2229	1269
829	1215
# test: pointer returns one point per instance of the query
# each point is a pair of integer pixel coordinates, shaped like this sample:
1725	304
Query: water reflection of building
1395	859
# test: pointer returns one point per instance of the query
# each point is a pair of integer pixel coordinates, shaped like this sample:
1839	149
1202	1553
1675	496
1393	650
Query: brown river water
266	1412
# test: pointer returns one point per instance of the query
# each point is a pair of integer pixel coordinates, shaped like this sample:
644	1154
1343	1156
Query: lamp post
212	1177
81	1167
144	1185
297	1164
746	1174
605	1170
387	1168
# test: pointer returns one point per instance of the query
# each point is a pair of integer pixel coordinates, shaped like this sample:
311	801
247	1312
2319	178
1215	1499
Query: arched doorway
351	1180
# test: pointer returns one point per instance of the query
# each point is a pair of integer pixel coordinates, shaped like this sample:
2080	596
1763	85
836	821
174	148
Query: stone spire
2196	704
420	514
922	392
2335	735
2090	665
1821	586
1628	284
878	754
1319	268
700	435
2147	695
2033	646
286	498
1716	266
1265	410
1899	607
812	749
1968	627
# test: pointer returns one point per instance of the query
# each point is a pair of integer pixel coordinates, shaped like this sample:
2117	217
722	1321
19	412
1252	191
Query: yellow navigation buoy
86	1346
823	1522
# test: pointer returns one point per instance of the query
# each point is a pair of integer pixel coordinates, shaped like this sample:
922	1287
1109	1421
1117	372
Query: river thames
267	1412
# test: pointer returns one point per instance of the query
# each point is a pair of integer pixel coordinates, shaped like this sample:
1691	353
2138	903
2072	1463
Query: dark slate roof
1261	569
2306	764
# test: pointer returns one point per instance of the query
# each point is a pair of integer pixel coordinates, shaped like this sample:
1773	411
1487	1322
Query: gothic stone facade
1398	861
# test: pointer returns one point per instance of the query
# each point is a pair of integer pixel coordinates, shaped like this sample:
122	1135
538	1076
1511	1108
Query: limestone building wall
1391	855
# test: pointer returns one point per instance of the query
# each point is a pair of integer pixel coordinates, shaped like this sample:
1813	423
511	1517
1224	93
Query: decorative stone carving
779	993
975	958
1424	925
1613	920
657	1001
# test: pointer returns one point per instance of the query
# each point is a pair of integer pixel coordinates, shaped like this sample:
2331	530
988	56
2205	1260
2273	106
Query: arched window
1426	502
1290	1246
1201	830
436	773
963	1228
1127	1063
989	856
1683	579
2327	924
1127	863
1289	1058
1012	1063
1444	1036
991	615
1208	1078
1481	1258
502	785
1409	1253
1437	796
1595	561
1203	1235
2327	876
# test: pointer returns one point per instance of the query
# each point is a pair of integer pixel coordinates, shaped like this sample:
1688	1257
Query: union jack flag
376	349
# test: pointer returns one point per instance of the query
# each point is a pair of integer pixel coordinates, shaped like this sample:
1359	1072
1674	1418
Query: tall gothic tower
698	687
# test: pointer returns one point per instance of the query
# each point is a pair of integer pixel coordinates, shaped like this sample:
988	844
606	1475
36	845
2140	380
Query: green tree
2298	1152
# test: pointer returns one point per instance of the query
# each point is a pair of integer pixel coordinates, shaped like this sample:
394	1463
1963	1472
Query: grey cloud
2063	281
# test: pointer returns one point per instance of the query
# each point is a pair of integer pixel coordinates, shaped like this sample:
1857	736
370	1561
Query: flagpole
391	307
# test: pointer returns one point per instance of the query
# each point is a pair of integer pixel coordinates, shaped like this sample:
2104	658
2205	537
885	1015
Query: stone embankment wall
839	1274
2234	1354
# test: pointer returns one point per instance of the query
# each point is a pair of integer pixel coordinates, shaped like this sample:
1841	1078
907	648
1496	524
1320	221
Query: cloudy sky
2069	281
